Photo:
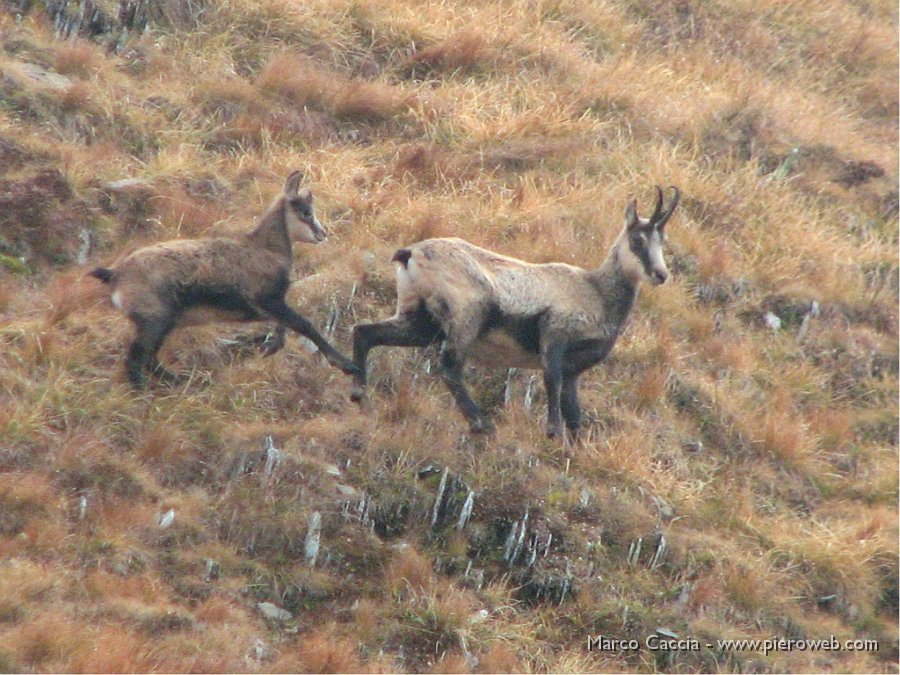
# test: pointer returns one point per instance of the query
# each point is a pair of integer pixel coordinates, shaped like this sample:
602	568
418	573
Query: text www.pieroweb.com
764	645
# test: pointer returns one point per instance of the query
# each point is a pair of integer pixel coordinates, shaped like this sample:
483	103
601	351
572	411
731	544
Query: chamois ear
631	217
306	195
292	183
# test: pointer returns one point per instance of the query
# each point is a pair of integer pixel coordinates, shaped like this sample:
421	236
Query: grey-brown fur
235	278
506	312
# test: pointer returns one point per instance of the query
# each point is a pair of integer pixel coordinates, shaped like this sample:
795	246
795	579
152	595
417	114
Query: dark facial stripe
640	249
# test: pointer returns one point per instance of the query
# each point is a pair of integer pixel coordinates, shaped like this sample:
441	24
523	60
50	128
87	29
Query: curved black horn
664	216
659	201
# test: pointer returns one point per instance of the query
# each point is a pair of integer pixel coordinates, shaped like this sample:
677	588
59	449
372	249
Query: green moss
14	265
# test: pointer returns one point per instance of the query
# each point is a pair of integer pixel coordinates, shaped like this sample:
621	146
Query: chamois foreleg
413	329
571	410
279	310
552	358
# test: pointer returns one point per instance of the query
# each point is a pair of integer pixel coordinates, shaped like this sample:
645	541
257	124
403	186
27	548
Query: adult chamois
243	277
504	312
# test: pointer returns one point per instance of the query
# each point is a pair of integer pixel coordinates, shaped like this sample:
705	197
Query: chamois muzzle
318	231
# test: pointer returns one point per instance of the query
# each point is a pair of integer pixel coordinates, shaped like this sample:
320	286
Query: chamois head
299	212
645	237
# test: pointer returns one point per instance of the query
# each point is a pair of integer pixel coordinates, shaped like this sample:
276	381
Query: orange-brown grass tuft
70	291
461	53
500	658
834	428
451	663
47	641
782	432
76	57
366	101
766	459
368	619
296	79
324	650
409	571
304	83
650	386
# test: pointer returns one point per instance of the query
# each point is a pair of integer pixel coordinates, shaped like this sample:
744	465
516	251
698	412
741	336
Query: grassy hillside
734	481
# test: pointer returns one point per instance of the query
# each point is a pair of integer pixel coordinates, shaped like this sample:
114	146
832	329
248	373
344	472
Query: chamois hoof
483	426
554	432
268	343
267	349
358	395
170	378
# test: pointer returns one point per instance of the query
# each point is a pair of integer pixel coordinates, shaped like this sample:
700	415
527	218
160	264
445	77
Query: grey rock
772	321
313	538
274	612
166	519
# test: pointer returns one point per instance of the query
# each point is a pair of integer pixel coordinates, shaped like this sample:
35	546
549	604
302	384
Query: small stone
479	616
772	321
313	538
166	519
128	185
694	446
81	257
429	470
212	570
38	76
260	651
274	612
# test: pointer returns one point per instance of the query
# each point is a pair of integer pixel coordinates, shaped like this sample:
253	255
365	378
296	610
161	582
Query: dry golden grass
767	459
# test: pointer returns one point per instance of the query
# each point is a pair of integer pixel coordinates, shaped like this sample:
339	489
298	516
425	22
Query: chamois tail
104	274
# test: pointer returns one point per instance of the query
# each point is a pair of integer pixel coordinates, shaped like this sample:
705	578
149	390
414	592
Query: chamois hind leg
571	410
278	310
460	335
412	329
149	335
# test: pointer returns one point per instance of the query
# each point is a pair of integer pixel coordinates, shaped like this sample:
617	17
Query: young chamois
236	278
504	312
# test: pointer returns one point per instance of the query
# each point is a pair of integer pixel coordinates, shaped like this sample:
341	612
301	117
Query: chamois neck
617	287
271	231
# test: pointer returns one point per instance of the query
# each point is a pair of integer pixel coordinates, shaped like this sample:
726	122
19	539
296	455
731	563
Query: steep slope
736	480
